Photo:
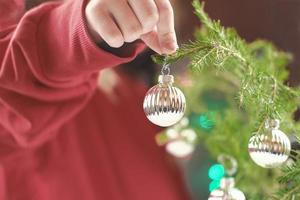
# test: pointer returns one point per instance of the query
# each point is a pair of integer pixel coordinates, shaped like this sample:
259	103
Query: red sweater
61	138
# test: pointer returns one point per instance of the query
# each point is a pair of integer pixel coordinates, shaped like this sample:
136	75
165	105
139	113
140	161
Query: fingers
119	21
165	27
158	13
146	12
151	40
126	20
102	23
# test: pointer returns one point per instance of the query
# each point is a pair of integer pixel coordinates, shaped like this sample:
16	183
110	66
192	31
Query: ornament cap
272	124
227	183
166	79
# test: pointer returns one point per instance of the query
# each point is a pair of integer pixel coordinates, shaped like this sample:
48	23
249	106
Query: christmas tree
233	88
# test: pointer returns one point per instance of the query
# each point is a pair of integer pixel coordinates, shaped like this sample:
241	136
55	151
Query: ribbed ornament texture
270	149
164	105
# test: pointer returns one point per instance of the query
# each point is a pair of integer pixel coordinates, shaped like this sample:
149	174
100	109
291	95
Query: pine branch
254	64
290	181
290	173
259	69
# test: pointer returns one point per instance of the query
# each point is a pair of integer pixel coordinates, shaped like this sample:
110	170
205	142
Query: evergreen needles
260	70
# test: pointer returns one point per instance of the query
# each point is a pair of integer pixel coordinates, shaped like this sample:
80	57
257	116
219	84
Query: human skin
123	21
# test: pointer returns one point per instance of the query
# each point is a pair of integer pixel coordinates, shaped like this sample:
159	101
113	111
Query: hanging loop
230	164
165	70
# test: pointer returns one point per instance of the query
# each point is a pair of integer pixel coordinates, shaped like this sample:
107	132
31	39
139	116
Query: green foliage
291	182
259	66
252	77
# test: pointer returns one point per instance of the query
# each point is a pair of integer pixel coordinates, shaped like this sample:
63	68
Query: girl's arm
48	71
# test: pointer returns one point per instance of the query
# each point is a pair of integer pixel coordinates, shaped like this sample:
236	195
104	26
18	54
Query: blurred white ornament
227	191
189	135
172	133
180	148
271	148
184	122
164	104
181	144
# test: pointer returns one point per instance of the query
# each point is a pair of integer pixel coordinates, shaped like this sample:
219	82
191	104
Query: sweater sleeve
48	71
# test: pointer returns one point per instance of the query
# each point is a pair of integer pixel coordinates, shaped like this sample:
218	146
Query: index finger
165	27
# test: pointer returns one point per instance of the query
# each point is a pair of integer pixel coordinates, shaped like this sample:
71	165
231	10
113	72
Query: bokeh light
216	172
215	184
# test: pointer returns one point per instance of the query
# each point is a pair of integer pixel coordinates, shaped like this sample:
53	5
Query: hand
119	21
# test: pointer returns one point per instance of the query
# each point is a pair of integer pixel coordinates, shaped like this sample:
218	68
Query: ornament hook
272	123
165	70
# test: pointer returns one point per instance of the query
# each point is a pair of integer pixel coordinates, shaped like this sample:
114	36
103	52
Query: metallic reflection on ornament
271	148
164	104
227	191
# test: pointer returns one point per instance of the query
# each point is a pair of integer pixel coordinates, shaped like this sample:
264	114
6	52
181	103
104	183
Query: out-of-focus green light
215	184
205	122
216	172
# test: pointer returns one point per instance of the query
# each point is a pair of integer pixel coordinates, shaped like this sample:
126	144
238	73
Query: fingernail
159	52
170	48
173	46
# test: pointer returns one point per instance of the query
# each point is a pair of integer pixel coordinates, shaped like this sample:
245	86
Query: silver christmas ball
227	191
271	148
164	105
